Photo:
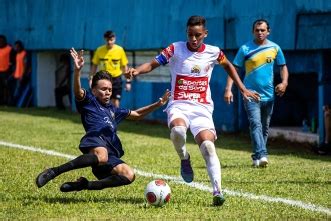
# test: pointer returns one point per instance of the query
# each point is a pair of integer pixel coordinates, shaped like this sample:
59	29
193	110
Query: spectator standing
258	58
7	62
21	69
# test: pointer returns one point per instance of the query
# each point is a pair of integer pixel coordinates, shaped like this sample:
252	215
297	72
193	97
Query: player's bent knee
130	175
126	171
132	178
103	159
178	132
101	153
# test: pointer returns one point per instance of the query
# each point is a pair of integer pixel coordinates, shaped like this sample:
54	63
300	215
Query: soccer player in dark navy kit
101	147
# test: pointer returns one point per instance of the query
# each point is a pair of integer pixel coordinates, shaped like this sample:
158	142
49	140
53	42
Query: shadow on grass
69	199
227	141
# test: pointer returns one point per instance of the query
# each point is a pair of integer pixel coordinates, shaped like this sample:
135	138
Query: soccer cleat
79	185
218	199
263	161
186	170
45	177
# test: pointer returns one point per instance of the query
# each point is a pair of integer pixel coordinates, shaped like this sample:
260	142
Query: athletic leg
120	175
205	139
96	156
178	138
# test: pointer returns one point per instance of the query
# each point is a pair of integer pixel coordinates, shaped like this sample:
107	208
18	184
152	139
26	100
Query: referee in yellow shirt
112	58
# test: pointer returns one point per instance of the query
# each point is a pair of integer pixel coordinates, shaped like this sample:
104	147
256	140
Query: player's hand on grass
78	58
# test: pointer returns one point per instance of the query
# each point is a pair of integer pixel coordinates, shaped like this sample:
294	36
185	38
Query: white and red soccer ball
157	192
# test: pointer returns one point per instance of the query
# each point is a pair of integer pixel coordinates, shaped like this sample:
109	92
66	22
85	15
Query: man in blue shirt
101	147
258	57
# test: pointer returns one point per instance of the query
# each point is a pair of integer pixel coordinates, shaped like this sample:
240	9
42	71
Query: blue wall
60	24
301	27
146	24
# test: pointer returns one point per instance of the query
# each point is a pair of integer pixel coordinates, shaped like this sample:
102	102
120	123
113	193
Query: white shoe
256	163
263	161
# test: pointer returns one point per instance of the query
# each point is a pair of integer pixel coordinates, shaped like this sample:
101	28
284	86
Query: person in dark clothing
101	147
7	63
62	80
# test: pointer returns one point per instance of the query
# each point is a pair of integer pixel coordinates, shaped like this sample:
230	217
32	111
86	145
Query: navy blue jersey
100	121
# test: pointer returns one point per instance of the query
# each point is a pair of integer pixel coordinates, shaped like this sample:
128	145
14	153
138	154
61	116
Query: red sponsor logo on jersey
191	88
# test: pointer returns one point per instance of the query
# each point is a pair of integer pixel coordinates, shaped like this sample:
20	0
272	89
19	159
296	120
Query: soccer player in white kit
191	64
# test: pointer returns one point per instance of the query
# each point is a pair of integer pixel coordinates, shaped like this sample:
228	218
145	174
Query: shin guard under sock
208	151
178	138
81	161
111	181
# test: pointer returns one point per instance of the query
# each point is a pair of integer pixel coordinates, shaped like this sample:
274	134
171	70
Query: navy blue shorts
102	171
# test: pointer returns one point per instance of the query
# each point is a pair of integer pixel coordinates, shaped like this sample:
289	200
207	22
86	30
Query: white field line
200	186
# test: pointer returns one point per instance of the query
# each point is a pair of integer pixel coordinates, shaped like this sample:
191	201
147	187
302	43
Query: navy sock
85	160
111	181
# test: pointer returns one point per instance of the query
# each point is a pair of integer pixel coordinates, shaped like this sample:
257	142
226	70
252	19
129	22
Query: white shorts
197	118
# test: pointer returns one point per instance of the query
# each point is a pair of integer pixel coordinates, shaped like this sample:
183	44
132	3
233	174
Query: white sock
178	138
208	151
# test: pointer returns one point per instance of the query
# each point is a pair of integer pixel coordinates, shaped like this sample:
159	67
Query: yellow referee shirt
110	60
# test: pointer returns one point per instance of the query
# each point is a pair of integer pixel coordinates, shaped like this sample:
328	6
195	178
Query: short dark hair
19	43
109	34
260	21
100	75
196	20
4	39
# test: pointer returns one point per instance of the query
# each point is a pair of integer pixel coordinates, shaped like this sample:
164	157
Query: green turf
294	173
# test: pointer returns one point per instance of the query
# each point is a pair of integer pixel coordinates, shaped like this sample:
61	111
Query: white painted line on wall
200	186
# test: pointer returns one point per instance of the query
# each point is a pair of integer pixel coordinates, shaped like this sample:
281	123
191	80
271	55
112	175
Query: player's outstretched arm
143	111
79	63
142	69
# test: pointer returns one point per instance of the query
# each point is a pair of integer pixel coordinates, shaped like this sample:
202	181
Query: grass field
296	185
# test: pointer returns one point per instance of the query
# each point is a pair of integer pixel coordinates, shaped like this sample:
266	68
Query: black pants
60	92
4	94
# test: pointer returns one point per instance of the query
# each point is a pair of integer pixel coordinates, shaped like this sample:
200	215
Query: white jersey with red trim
191	73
